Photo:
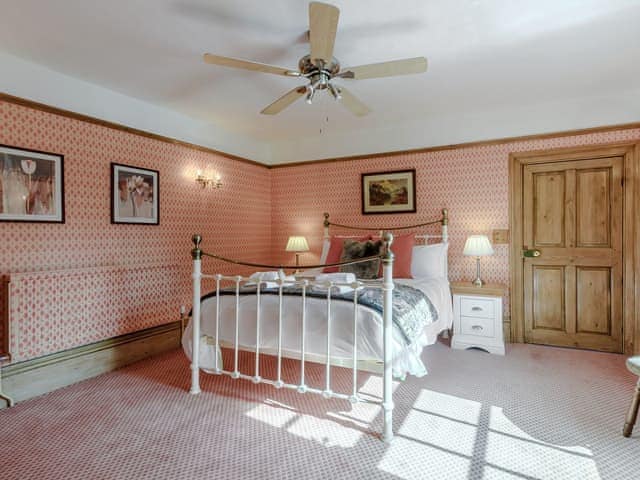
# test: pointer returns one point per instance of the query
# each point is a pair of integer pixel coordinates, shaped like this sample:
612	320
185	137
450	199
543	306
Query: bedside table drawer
479	326
477	307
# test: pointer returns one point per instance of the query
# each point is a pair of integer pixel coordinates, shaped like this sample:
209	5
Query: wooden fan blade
284	101
386	69
323	25
352	104
247	65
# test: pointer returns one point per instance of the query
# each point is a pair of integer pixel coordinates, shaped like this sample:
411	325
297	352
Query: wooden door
572	218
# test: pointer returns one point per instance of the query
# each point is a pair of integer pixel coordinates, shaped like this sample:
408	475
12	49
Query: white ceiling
484	55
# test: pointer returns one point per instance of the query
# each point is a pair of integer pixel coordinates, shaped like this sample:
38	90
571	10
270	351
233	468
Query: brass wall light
206	181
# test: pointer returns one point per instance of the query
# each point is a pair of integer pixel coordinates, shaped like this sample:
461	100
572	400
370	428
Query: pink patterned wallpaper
472	182
104	280
87	279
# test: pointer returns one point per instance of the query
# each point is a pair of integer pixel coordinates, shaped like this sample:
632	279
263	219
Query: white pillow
429	261
326	244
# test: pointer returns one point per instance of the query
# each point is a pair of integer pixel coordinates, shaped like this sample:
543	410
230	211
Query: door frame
630	231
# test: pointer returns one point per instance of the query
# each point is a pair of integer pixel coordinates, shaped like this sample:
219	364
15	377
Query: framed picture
31	186
389	192
134	195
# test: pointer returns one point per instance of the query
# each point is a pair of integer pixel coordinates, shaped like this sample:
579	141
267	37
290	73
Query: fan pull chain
326	120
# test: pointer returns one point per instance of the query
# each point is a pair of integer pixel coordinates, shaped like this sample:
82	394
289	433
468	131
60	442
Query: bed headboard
443	236
443	221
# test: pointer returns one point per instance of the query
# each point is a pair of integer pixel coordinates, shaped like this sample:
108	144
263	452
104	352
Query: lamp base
478	281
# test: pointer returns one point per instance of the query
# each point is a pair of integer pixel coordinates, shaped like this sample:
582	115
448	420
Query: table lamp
477	246
298	245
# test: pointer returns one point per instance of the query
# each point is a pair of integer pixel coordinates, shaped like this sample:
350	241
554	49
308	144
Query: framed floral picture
389	192
31	186
134	195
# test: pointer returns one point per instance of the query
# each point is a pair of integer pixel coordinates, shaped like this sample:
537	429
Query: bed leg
387	286
183	319
196	254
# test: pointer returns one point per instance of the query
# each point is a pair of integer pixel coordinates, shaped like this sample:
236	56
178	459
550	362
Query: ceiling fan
320	67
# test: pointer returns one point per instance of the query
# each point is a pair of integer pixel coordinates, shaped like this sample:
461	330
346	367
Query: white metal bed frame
386	285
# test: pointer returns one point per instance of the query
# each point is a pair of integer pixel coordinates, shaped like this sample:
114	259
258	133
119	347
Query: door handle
531	253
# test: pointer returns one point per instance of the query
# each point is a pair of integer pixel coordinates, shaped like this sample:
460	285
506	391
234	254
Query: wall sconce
205	181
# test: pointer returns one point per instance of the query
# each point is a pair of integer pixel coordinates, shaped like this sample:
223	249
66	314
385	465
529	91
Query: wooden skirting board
31	378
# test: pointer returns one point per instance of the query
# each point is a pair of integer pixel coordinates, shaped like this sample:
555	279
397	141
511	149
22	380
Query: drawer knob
476	327
476	309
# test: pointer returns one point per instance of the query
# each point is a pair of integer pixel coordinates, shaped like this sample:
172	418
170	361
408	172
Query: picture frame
389	192
31	185
135	195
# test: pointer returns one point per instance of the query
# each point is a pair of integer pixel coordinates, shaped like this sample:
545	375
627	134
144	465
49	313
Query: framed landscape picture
389	192
31	186
134	195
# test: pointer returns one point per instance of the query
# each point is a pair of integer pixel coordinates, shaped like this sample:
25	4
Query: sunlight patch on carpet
272	415
342	428
329	433
444	436
326	432
372	388
448	406
439	432
408	459
511	449
501	424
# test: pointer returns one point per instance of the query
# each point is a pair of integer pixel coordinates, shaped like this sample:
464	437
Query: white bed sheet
406	359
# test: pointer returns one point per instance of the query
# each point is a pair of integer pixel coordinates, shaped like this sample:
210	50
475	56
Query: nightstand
477	316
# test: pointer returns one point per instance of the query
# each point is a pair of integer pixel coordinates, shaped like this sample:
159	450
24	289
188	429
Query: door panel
548	297
592	208
572	213
549	221
593	290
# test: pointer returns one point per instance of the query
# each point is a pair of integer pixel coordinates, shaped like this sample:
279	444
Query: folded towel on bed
265	276
335	290
268	278
334	278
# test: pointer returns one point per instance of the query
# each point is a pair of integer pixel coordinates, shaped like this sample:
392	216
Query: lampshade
297	244
477	246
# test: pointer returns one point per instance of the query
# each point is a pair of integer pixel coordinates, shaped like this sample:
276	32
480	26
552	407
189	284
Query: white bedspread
406	359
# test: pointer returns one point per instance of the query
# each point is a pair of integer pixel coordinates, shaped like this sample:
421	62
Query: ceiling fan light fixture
311	91
335	91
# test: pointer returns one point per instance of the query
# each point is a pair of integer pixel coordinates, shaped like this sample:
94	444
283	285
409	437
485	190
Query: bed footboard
327	392
386	285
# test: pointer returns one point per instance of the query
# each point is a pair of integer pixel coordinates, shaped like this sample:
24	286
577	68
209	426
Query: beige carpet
538	412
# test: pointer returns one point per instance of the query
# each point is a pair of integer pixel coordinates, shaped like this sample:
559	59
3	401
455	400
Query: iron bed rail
386	285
